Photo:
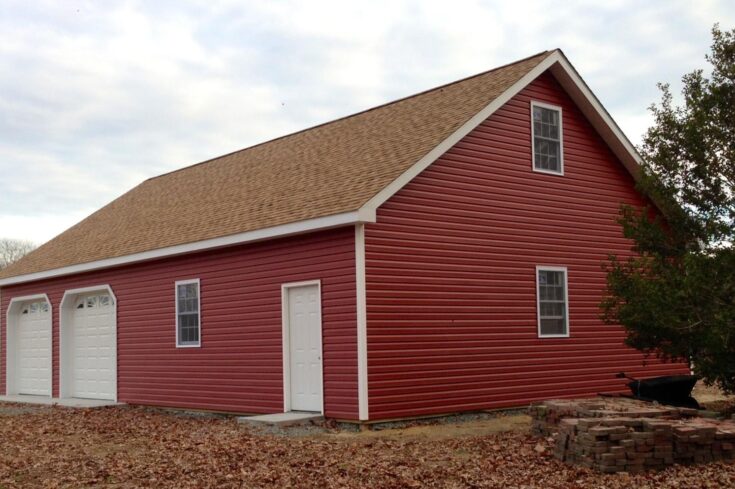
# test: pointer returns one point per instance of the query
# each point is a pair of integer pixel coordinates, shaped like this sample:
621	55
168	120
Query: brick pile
704	440
547	415
615	445
630	436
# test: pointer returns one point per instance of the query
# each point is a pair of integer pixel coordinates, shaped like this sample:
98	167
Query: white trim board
319	223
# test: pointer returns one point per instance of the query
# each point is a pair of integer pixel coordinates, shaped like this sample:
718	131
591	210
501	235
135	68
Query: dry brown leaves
136	447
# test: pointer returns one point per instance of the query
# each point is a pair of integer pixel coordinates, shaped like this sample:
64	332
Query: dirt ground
127	447
710	397
478	425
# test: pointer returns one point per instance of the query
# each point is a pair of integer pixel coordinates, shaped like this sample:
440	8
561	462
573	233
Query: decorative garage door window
93	301
36	308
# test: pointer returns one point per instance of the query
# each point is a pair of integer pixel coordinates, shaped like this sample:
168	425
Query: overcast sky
95	97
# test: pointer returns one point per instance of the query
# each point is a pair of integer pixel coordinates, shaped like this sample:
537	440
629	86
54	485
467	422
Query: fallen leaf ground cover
137	447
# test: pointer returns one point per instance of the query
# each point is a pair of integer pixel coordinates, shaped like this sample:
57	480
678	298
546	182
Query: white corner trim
10	320
361	290
570	80
319	223
198	344
566	301
65	309
556	108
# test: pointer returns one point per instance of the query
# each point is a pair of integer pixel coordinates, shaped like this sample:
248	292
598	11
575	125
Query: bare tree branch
12	250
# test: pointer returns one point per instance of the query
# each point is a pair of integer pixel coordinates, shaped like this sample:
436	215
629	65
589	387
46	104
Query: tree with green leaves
676	296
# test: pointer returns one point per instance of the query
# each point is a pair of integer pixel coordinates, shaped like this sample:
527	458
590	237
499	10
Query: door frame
11	324
66	311
286	340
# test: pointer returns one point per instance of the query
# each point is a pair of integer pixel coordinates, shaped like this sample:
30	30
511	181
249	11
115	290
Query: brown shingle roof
328	169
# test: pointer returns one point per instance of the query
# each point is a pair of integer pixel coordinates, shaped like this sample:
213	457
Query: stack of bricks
615	444
703	440
547	415
629	436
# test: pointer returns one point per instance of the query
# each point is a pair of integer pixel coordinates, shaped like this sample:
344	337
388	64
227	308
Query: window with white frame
188	321
546	132
553	307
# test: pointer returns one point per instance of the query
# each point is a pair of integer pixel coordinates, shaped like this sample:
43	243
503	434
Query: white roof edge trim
578	90
297	227
598	116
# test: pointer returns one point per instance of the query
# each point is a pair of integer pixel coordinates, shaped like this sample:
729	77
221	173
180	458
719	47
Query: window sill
549	172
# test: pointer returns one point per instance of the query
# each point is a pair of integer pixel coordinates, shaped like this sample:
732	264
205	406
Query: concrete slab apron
280	419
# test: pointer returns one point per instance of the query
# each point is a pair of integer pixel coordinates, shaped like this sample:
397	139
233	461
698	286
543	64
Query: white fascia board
298	227
570	80
597	115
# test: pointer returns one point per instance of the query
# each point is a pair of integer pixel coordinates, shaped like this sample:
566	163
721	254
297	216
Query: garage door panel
32	343
93	348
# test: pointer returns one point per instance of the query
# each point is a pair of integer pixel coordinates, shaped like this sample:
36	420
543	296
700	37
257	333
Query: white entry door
93	341
305	345
33	349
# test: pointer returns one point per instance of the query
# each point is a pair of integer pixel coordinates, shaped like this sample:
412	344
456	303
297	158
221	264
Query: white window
553	304
188	324
546	135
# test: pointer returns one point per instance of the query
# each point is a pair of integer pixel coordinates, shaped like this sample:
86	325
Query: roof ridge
364	111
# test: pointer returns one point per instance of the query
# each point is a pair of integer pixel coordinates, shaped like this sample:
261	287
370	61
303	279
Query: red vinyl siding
450	265
239	366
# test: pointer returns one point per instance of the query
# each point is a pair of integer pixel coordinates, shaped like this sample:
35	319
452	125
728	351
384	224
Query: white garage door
93	341
33	349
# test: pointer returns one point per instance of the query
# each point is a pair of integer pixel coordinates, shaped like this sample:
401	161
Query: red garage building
437	254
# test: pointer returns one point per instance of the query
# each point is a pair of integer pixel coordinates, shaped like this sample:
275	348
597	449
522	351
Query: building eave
293	228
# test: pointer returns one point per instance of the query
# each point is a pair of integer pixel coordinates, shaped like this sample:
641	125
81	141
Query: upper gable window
546	132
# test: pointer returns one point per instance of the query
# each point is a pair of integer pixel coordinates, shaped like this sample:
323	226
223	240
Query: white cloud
37	228
96	97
